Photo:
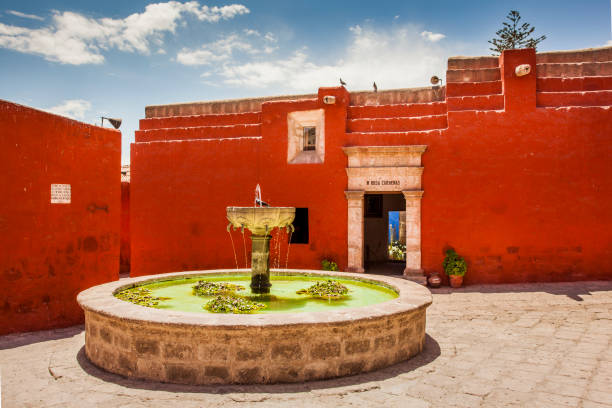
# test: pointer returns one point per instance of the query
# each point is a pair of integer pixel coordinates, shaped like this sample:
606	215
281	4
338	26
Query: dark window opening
310	138
300	223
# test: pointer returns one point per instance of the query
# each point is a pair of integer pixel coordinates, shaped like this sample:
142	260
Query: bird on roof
375	87
342	82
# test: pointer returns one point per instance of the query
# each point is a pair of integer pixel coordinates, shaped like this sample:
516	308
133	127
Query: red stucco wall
521	188
50	252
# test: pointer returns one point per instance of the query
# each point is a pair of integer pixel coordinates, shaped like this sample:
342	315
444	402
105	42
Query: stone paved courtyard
527	345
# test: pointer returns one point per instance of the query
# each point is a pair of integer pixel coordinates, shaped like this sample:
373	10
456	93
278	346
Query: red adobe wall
50	252
517	171
180	190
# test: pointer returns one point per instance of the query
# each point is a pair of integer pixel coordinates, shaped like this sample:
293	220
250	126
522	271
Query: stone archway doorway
385	169
383	214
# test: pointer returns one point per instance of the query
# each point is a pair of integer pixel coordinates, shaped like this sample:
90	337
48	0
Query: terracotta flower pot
434	280
456	281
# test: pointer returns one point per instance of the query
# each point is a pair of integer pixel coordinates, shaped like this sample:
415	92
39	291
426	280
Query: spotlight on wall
435	80
113	121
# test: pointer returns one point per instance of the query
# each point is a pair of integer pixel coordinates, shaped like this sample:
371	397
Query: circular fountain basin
208	348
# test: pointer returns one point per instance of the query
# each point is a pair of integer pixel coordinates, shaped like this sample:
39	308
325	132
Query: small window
310	138
300	223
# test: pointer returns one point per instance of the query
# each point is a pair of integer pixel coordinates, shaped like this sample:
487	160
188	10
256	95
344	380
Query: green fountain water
282	299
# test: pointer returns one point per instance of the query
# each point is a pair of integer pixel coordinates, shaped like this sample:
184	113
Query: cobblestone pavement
529	345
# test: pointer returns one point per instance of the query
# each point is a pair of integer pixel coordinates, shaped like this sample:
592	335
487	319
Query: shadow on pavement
13	340
430	352
573	290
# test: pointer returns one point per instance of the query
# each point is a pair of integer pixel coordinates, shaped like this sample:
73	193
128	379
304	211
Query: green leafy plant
514	35
329	289
397	251
329	265
453	264
139	296
232	304
206	288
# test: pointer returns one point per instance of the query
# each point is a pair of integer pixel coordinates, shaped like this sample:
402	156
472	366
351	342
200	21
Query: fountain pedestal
260	221
260	265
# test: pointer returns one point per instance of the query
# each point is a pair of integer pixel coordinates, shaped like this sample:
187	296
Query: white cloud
214	14
248	31
433	37
270	37
356	29
72	108
198	57
24	15
609	42
73	38
226	48
395	58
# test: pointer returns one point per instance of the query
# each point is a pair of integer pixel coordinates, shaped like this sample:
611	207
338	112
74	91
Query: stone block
121	341
351	368
212	352
285	374
182	374
407	334
126	363
357	346
91	330
106	335
220	372
178	351
287	351
384	342
252	375
246	354
324	351
151	369
146	347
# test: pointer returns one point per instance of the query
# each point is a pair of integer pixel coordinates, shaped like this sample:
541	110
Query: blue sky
90	59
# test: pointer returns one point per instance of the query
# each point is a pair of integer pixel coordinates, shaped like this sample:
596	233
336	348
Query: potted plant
455	267
329	265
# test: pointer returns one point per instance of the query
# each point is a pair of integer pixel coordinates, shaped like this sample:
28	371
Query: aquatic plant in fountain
232	304
329	289
139	296
260	219
207	288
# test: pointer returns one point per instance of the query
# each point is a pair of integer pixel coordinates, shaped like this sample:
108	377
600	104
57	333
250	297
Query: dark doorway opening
384	218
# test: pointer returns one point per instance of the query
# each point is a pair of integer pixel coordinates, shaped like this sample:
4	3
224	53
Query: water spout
258	201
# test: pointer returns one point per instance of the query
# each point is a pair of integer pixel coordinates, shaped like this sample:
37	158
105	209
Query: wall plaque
60	194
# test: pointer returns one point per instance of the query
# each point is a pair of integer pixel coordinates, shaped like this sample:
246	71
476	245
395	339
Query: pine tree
514	35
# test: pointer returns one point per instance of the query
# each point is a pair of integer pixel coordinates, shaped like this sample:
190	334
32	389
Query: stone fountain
260	219
205	348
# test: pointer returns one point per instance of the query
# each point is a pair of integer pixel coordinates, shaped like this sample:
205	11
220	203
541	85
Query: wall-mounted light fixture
113	121
522	70
329	99
435	80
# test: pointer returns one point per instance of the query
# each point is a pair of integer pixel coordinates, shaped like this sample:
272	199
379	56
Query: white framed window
306	137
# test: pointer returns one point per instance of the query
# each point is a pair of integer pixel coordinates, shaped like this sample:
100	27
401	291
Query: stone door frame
385	169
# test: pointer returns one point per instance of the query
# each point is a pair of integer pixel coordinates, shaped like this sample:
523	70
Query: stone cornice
354	194
404	149
412	194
